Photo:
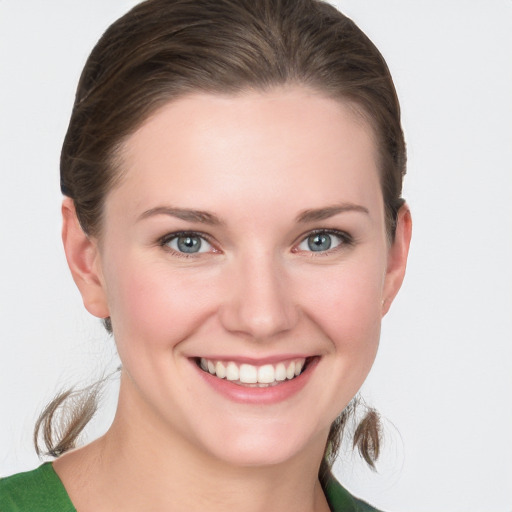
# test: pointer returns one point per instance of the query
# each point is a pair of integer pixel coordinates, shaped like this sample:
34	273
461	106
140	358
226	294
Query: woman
233	212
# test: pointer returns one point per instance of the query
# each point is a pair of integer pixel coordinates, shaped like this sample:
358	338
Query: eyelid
165	239
346	240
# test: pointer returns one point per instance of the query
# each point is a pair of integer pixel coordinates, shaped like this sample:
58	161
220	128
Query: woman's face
246	236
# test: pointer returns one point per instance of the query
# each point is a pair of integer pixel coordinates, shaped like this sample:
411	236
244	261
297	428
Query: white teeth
232	372
262	376
248	374
280	372
290	371
266	374
220	370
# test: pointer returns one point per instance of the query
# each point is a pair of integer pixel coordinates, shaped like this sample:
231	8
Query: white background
443	378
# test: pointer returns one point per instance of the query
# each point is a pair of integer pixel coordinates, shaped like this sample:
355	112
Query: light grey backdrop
443	378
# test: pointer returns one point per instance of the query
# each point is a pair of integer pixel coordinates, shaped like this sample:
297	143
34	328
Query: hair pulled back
164	49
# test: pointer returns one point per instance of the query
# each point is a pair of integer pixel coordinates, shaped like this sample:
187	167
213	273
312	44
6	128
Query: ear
397	258
83	259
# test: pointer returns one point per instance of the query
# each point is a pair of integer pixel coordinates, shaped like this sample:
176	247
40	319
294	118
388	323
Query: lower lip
255	395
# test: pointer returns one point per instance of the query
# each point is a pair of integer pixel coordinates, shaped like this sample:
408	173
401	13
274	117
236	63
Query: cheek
153	307
346	302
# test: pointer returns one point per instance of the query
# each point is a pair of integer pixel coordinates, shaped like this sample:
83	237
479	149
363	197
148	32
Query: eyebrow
329	211
204	217
183	214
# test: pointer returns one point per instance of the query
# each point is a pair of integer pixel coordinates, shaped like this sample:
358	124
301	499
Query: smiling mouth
249	375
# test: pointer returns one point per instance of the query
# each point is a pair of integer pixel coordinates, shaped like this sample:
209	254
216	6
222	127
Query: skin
256	162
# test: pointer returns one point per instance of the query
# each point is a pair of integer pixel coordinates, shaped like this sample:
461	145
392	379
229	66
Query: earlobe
83	259
397	258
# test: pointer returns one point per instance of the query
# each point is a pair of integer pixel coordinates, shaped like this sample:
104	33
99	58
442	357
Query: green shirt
41	490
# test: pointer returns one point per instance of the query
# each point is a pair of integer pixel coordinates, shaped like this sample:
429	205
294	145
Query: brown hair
164	49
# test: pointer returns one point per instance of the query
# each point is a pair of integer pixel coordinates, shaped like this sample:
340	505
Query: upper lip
259	361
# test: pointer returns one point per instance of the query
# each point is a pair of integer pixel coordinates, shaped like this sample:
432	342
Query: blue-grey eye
189	244
319	242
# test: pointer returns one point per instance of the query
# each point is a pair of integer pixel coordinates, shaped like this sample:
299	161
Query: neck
174	472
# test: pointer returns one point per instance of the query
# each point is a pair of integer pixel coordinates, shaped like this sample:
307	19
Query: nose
259	301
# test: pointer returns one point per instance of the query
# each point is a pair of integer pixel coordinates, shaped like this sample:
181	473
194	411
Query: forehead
256	145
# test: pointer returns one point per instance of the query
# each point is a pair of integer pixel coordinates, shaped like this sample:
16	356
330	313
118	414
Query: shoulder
39	490
340	500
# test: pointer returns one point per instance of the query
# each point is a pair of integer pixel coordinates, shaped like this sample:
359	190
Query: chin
266	446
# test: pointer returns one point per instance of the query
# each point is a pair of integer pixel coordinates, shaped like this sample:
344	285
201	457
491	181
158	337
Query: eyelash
166	239
346	240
